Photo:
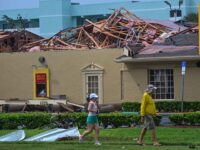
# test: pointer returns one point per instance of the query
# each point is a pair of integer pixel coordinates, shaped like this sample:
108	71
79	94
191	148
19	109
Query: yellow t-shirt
147	106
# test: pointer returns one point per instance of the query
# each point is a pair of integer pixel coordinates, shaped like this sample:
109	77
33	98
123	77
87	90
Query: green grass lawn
115	139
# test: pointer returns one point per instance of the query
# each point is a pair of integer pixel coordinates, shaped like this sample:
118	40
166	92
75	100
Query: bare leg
88	131
96	127
153	135
142	135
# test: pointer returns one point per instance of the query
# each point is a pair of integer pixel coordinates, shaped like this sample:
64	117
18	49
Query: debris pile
121	29
17	105
187	37
25	106
13	41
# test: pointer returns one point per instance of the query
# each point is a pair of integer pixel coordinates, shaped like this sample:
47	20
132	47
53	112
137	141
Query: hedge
65	120
186	118
164	106
29	120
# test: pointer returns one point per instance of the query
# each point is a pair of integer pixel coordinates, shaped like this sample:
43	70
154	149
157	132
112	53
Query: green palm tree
9	21
21	22
192	17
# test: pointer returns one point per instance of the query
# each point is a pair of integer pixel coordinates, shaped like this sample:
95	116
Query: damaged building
115	58
41	15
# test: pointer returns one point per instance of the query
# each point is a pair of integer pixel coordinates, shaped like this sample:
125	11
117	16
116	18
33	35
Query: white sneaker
80	138
97	143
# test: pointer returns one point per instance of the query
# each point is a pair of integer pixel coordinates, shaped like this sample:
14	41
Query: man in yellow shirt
148	110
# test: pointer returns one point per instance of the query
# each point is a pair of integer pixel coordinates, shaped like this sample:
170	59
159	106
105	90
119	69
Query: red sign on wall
41	78
41	84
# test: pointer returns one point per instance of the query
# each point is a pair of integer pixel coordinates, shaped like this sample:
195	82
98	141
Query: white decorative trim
93	70
92	67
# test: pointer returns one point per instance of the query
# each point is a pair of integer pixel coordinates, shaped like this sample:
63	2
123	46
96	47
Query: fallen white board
14	136
54	134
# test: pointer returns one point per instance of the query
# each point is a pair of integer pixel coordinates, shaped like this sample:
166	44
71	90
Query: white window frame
93	70
165	83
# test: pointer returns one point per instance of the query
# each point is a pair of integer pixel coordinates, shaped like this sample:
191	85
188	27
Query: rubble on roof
173	43
121	29
168	50
186	37
170	24
13	41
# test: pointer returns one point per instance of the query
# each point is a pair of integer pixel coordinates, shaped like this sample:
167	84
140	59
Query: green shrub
157	120
192	118
29	120
64	120
118	119
186	118
78	119
168	106
131	106
164	106
177	119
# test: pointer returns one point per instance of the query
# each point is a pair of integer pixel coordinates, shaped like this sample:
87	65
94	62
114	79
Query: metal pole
182	93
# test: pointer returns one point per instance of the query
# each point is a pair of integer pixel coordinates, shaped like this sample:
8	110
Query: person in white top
92	119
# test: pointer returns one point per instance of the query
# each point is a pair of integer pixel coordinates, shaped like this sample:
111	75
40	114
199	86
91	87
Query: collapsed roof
13	41
180	45
121	29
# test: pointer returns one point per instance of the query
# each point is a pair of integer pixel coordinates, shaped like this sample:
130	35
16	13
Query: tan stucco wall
136	74
121	82
65	73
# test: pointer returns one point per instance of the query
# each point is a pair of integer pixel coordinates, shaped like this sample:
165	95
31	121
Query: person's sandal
97	143
81	138
156	144
141	144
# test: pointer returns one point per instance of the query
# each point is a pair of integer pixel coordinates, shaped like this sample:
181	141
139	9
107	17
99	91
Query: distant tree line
192	17
18	23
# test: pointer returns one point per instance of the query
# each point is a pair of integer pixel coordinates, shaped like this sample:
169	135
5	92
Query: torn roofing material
172	43
14	136
164	50
12	41
125	59
154	53
170	24
120	29
182	39
4	35
55	134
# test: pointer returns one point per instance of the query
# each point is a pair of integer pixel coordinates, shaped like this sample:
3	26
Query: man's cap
150	88
93	95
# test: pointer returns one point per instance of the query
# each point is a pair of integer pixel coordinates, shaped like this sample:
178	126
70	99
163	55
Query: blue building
47	17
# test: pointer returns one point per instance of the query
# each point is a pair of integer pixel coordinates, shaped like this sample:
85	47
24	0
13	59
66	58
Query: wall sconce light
42	59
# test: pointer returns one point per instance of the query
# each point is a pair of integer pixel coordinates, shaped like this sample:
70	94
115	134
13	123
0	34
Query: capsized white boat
13	136
54	134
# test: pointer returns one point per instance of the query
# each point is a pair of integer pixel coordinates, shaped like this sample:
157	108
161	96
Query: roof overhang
125	59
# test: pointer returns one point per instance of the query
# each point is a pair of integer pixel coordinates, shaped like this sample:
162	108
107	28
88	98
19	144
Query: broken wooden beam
66	107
